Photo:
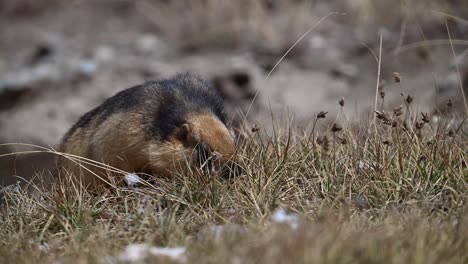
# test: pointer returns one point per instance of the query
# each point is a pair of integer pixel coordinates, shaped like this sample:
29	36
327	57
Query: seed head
382	94
383	116
336	128
396	77
380	115
319	140
322	114
398	111
409	99
419	125
450	133
341	102
449	103
344	141
255	128
425	117
387	142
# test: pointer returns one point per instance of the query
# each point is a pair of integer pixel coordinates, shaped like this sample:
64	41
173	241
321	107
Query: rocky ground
61	59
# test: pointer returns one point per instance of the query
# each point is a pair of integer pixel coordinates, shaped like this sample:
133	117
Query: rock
104	53
346	71
149	44
86	67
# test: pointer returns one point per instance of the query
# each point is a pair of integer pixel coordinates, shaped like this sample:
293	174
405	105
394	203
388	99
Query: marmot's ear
187	134
183	132
185	129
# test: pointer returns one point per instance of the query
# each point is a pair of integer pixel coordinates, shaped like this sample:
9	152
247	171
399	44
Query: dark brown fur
157	128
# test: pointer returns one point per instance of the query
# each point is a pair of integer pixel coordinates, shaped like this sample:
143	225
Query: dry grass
395	196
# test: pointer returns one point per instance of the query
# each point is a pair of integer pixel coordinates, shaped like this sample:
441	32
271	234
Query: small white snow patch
132	180
280	216
138	252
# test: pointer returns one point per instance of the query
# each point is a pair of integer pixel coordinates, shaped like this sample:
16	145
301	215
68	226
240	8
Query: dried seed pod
409	99
336	128
322	114
344	141
382	94
396	77
449	103
255	128
387	142
319	140
383	116
419	125
380	115
425	117
341	102
398	111
450	133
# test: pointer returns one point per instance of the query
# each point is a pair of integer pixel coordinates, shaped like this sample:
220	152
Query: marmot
157	128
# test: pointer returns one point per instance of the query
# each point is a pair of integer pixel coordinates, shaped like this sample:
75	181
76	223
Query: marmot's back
156	128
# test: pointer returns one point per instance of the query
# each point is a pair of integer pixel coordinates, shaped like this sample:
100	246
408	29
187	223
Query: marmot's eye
203	153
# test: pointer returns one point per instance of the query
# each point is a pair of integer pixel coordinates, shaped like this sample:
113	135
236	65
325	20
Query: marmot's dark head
202	142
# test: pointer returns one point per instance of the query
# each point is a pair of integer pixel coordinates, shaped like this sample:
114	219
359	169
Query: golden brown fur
126	139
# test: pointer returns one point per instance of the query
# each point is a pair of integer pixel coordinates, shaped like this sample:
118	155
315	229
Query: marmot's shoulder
120	102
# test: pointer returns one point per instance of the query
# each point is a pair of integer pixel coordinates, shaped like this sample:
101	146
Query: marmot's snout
209	161
213	145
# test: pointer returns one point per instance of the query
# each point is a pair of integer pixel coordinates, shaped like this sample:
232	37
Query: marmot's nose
203	153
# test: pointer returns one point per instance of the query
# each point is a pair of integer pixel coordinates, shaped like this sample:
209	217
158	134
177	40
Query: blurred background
59	59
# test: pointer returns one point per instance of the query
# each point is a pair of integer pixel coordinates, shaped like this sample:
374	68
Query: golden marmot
158	128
